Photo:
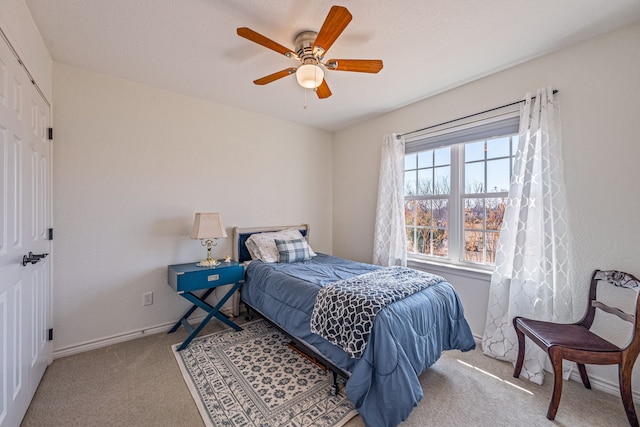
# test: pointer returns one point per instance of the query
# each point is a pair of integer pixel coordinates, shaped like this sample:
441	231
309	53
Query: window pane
409	161
474	151
441	213
474	214
494	213
410	212
498	147
425	186
442	180
474	178
411	239
473	246
498	175
424	240
424	217
440	242
442	156
492	246
410	183
425	159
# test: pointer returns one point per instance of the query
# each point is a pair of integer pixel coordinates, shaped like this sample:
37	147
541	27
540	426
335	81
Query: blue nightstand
187	278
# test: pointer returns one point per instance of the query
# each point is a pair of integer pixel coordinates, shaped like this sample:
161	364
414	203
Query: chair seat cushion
565	335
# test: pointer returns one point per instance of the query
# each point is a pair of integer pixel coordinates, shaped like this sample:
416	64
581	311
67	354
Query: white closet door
25	217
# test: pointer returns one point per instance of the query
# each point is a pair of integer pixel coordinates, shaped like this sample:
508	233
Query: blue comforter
408	336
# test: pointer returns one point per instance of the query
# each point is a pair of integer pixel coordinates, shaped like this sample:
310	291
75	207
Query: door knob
32	258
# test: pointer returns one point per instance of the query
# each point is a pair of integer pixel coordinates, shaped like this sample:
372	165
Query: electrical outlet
147	298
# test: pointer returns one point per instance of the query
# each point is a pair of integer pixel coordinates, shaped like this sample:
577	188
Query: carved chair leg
624	376
584	376
556	362
520	359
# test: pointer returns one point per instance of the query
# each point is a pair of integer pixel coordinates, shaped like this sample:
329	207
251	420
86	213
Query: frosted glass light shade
309	76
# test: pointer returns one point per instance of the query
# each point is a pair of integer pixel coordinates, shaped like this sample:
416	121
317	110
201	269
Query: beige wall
599	83
132	166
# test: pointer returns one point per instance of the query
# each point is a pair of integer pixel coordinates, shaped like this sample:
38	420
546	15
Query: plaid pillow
293	250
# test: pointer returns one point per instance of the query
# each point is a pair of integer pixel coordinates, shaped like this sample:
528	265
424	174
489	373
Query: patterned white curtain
390	239
532	277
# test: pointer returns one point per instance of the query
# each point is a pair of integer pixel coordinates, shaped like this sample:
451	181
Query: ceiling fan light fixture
310	49
309	76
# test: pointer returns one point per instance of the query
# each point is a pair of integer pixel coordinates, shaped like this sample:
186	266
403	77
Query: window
456	185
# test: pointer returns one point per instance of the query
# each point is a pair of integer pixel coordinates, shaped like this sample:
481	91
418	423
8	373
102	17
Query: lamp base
212	262
209	261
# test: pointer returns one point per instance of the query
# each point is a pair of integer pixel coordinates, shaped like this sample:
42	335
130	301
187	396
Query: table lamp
208	228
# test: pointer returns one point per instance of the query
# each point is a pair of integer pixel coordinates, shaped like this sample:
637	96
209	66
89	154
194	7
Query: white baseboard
119	338
603	385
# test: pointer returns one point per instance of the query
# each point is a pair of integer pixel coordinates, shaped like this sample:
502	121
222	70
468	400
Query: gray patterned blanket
345	310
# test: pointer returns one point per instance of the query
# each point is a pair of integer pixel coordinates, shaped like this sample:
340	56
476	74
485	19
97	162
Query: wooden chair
577	343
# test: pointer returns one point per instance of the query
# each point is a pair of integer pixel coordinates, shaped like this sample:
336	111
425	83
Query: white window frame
490	125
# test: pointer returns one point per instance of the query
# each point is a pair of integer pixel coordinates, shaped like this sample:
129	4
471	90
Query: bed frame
240	253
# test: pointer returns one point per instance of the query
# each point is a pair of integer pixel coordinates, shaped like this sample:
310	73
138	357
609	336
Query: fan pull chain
305	99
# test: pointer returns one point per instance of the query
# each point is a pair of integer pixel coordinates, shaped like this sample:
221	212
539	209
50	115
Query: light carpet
252	378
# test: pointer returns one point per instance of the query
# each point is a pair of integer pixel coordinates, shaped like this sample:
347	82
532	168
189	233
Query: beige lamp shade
208	226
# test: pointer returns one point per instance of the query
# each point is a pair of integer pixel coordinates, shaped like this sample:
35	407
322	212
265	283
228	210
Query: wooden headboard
240	236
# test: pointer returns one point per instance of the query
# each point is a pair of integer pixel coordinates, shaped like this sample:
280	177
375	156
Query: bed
405	338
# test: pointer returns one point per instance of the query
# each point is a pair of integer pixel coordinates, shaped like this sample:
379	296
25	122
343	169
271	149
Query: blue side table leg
190	312
213	312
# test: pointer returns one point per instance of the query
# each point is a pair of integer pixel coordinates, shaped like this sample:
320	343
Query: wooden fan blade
323	90
275	76
335	22
357	65
249	34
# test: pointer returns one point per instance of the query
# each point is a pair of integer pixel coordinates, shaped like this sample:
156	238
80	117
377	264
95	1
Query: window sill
444	268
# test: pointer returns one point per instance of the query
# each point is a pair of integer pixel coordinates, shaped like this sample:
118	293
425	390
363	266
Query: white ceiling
428	46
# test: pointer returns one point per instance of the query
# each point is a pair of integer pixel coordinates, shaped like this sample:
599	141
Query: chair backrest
619	279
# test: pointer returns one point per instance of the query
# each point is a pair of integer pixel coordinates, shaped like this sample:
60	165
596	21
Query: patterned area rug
252	378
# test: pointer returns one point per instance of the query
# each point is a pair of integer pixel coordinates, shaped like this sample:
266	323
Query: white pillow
264	245
252	248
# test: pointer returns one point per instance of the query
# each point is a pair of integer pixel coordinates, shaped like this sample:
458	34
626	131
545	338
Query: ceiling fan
311	47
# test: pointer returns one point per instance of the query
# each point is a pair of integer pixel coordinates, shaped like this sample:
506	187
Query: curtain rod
466	117
3	35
